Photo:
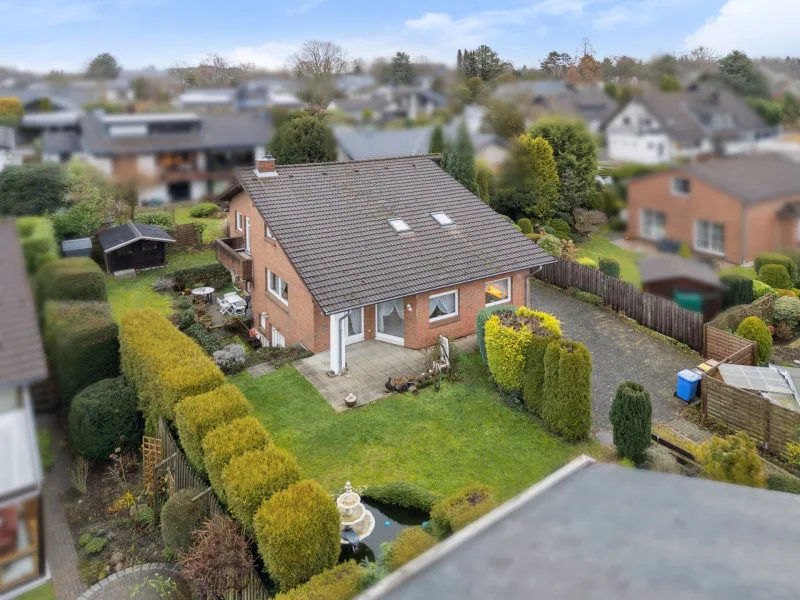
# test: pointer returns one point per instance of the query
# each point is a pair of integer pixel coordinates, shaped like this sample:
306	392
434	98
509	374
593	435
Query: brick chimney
265	167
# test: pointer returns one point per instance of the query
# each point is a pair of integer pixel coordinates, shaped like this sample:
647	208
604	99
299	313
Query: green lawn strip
43	592
127	294
441	441
598	246
214	227
748	272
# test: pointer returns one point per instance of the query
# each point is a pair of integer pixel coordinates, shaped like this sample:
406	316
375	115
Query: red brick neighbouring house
388	249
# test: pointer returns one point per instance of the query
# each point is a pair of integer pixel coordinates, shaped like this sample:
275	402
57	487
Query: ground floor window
278	341
20	550
654	224
498	291
442	306
709	237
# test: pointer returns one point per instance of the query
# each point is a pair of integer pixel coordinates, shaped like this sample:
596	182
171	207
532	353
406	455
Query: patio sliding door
355	326
390	321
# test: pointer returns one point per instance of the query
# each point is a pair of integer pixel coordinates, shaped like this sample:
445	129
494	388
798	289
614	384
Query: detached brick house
390	249
732	208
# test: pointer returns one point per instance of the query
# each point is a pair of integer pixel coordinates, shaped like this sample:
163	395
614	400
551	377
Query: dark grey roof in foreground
606	532
671	266
127	233
331	220
21	353
750	178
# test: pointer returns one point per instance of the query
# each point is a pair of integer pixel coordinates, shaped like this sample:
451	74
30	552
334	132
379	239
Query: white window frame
443	219
275	293
710	224
277	339
442	317
496	302
644	231
268	232
399	225
238	220
675	191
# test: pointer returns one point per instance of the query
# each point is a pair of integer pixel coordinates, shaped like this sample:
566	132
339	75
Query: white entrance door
247	234
390	321
355	326
278	341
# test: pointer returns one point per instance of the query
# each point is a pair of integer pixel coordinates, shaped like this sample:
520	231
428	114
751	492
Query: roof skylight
442	218
399	225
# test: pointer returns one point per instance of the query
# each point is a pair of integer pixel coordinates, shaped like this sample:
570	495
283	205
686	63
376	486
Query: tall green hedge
774	258
298	533
195	416
403	494
533	374
38	242
228	441
631	416
610	267
214	275
161	218
462	508
567	406
70	279
342	582
739	290
480	324
81	342
162	364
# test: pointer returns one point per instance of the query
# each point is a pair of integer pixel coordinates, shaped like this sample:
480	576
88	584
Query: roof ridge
344	164
132	226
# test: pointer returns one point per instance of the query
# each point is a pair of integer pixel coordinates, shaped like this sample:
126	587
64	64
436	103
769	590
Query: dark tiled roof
671	266
750	178
57	142
21	353
331	220
127	233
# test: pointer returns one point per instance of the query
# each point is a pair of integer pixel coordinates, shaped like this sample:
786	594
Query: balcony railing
230	252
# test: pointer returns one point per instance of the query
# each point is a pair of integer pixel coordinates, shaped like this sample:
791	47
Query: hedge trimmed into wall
222	444
81	342
161	218
78	278
567	406
215	275
507	345
103	417
342	582
409	545
255	476
533	374
298	533
163	365
462	508
195	416
38	242
739	291
480	323
402	494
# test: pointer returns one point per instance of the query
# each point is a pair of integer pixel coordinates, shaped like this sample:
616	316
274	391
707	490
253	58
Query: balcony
231	253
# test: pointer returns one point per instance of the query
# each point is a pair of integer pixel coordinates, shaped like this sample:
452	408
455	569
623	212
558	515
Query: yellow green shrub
195	416
733	459
163	365
341	582
462	508
222	444
298	533
508	339
255	476
409	545
11	107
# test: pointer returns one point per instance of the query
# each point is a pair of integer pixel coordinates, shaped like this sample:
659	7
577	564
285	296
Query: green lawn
441	441
599	246
125	294
748	272
43	592
215	228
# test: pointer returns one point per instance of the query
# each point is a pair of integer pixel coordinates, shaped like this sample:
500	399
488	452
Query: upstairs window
268	232
277	287
399	225
681	186
238	221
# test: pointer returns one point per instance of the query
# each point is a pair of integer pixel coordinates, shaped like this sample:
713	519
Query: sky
64	34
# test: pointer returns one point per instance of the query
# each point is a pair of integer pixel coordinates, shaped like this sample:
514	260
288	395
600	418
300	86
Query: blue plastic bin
687	385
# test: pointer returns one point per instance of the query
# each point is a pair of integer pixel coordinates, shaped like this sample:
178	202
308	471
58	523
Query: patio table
203	291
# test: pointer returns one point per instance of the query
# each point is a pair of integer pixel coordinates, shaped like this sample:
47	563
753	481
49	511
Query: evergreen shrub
480	323
204	210
775	276
462	508
407	495
739	290
180	517
525	225
409	545
215	275
567	390
787	310
38	242
66	279
631	416
610	267
342	582
755	330
732	459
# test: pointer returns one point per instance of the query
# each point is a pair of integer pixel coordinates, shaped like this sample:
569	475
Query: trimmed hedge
588	262
255	476
38	242
525	225
567	397
755	330
102	418
561	227
775	258
506	347
402	494
787	310
341	582
550	243
78	278
631	417
162	364
409	545
610	267
775	276
480	324
462	508
81	342
783	483
204	210
739	290
195	416
228	441
298	533
161	218
214	275
180	517
533	375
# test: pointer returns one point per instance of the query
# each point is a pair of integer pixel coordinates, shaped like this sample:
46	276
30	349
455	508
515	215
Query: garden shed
134	246
680	279
77	247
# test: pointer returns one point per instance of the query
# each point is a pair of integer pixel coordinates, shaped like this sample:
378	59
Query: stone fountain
356	521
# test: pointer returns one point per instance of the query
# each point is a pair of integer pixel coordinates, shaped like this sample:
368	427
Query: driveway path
619	351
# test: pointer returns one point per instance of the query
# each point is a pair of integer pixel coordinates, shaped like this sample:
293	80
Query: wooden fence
184	477
656	313
186	235
727	348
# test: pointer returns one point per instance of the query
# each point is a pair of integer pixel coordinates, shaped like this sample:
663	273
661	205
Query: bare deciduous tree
319	59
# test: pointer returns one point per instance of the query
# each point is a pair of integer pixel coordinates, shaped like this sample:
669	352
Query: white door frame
338	343
390	339
352	339
247	234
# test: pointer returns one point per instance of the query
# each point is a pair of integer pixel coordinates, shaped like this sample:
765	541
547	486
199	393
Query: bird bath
356	521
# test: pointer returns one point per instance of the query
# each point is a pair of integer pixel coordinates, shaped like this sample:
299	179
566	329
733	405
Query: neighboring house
692	284
376	105
663	127
134	246
787	145
22	363
267	93
733	208
8	149
606	532
392	102
207	98
170	156
354	84
391	249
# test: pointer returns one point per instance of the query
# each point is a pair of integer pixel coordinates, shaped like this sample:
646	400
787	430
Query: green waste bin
689	300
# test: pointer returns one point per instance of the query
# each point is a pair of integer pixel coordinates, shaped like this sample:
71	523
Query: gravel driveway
619	351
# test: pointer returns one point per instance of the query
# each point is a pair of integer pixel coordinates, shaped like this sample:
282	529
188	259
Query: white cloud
637	13
305	7
272	55
758	27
